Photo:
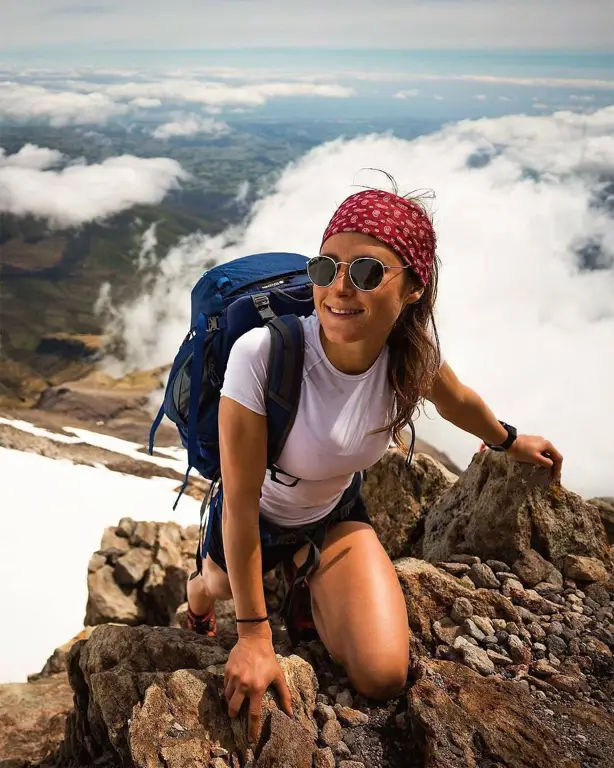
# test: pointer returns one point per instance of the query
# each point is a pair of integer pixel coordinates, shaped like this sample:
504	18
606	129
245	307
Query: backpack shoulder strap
283	384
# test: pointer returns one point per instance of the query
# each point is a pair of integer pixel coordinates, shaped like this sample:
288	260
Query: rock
351	717
446	630
513	589
467	583
132	567
145	535
556	645
126	527
111	541
430	595
466	559
499	509
464	716
605	507
531	568
471	629
108	602
554	628
482	576
585	568
397	499
96	562
454	569
536	630
498	658
149	580
331	733
475	658
461	610
484	625
32	717
543	668
518	650
324	712
324	758
498	566
154	696
344	698
566	683
351	764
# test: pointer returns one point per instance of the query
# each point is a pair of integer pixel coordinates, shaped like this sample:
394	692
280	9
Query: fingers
235	702
557	461
253	717
284	693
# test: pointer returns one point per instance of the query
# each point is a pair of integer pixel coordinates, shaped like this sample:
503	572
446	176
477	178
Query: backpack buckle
263	307
213	324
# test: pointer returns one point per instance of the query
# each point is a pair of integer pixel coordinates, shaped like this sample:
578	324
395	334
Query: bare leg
211	585
359	609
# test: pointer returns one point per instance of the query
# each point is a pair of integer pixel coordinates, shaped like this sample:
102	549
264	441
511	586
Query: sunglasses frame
349	266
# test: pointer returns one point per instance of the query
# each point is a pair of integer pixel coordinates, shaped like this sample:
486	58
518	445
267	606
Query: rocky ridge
511	655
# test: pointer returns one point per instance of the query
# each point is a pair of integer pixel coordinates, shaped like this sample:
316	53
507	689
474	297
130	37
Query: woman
371	356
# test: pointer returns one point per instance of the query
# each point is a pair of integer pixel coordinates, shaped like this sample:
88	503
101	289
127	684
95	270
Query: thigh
359	608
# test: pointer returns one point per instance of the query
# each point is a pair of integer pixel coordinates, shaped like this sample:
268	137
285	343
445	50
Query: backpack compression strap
283	386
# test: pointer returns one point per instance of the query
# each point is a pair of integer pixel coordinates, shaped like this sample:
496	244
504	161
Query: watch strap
512	434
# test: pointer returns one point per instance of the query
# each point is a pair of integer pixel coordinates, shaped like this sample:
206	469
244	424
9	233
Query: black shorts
273	552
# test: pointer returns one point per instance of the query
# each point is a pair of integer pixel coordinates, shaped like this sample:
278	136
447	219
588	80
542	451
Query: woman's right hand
251	667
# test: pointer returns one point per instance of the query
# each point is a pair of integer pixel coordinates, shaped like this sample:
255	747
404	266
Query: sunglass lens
321	271
366	274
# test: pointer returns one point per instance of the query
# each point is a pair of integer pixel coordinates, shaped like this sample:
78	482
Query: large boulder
154	697
605	505
397	498
139	574
430	594
469	720
32	718
499	509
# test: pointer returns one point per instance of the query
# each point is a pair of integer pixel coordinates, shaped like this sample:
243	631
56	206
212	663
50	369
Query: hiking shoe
204	624
299	620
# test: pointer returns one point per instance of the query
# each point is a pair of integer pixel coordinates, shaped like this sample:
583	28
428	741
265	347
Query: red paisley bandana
393	220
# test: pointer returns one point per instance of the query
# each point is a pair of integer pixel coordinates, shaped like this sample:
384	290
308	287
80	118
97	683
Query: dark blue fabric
222	299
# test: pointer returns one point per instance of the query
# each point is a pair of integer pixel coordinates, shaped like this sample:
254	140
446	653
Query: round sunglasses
366	273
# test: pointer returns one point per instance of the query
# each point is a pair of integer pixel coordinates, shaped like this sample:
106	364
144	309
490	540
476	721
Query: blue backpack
269	289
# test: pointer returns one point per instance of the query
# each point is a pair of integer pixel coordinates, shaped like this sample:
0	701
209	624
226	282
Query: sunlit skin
353	342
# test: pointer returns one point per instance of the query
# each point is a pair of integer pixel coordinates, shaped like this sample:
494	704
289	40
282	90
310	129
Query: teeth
345	311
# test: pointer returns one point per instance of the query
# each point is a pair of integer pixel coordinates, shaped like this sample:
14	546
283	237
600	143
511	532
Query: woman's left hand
536	450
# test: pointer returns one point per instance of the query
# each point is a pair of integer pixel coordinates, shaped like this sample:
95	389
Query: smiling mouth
344	312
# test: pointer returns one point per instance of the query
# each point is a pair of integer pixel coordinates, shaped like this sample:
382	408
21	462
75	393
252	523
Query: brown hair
414	356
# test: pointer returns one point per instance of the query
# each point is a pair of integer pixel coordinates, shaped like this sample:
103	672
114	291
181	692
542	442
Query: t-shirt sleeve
246	372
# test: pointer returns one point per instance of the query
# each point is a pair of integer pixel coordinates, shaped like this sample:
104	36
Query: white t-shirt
329	440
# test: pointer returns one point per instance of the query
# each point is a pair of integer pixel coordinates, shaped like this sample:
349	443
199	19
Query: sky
408	24
80	502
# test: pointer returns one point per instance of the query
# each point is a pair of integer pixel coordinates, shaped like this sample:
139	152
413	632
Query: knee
382	680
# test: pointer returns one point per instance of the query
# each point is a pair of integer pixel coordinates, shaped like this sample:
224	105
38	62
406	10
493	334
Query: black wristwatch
512	434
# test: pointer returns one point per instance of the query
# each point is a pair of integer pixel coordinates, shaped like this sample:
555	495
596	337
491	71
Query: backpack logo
272	285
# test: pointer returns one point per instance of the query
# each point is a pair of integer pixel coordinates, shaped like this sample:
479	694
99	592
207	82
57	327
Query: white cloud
80	193
481	97
546	82
409	94
190	126
504	98
215	94
438	97
519	320
145	103
28	102
31	156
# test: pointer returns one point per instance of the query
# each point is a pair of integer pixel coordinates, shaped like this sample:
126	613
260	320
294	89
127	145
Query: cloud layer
520	212
79	193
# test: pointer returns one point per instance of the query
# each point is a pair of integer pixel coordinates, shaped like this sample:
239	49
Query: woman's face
377	310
